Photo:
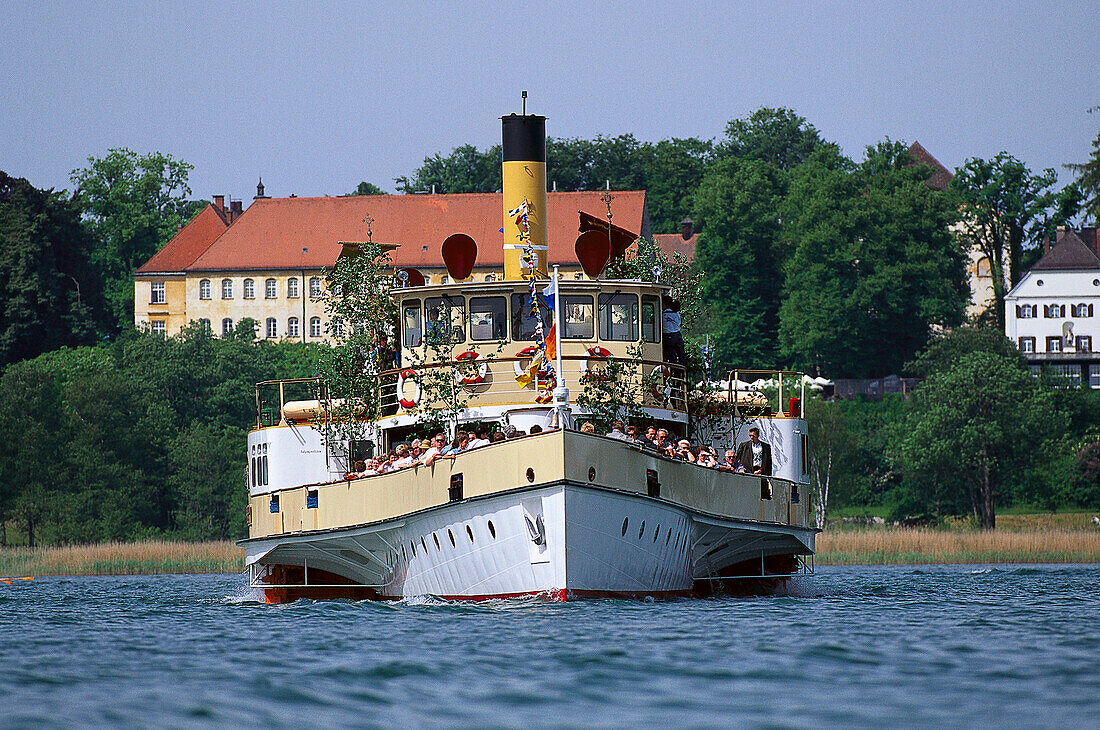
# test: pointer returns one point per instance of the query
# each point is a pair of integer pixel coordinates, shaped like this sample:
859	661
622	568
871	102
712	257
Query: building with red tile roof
266	262
682	243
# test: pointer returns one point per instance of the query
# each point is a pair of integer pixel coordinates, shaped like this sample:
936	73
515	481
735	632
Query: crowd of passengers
425	452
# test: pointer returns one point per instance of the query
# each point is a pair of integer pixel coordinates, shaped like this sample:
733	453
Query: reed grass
136	558
914	546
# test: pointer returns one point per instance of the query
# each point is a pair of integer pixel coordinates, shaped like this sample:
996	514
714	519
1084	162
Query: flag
552	336
518	210
529	374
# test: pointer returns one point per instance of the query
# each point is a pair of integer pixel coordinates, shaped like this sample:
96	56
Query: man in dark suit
755	454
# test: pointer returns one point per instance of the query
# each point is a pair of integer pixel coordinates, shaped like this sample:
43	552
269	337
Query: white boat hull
563	540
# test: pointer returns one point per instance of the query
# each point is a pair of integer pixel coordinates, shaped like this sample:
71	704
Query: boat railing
772	393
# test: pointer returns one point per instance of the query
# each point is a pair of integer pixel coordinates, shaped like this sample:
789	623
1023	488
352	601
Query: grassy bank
914	546
139	558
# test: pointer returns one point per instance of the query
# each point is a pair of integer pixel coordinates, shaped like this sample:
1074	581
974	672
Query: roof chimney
219	203
235	210
687	229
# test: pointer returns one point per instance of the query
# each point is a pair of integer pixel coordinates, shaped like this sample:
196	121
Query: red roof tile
1069	253
188	244
673	243
941	176
272	232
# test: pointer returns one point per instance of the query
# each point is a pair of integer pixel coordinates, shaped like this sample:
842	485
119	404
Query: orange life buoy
407	403
482	371
594	353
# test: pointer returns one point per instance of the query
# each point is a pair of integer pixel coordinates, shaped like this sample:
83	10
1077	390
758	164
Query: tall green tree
779	136
1006	209
464	170
366	188
968	430
132	204
874	268
674	170
49	295
1088	179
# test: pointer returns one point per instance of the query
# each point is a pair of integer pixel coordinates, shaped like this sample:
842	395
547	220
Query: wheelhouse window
156	292
619	317
227	326
524	320
651	319
315	286
227	288
488	318
410	323
292	327
314	326
292	287
578	317
446	319
249	289
204	289
271	328
271	289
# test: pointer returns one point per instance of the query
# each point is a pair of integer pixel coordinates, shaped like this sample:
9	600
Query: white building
1052	313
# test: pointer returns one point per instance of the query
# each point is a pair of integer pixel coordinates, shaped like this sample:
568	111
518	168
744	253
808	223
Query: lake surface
941	646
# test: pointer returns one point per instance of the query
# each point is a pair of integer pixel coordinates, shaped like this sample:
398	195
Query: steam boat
556	512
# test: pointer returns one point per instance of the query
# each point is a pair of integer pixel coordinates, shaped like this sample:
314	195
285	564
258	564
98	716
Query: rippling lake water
947	646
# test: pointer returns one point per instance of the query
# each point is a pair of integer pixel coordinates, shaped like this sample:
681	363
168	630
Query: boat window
651	319
523	320
488	318
579	316
410	323
619	317
446	319
263	470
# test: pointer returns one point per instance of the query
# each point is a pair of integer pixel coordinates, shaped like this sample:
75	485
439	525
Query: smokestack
235	209
219	203
523	174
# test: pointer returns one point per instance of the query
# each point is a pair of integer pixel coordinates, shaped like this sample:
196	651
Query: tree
465	170
132	204
947	347
366	188
874	268
1088	179
1007	208
777	136
49	295
969	429
673	171
739	254
831	445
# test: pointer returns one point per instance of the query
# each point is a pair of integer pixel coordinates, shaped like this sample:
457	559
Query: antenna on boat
523	96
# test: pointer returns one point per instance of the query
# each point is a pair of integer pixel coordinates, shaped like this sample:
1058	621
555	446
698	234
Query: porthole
1038	282
1096	282
591	473
492	530
668	535
656	533
625	521
423	544
641	530
451	535
530	474
404	555
469	533
412	545
436	538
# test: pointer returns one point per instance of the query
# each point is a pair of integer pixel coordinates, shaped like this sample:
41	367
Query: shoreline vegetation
1021	539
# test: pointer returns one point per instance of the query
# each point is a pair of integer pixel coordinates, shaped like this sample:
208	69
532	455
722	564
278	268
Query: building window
1094	376
227	326
1054	311
204	324
158	327
204	289
1054	344
315	286
227	288
1071	374
1027	344
292	327
1083	343
271	328
578	276
156	293
984	269
271	289
1025	311
1081	310
292	287
314	326
249	289
443	280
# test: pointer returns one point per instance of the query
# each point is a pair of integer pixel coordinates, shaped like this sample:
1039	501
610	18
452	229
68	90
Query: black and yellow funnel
524	187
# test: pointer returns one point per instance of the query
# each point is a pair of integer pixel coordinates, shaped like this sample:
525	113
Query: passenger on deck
649	440
705	457
683	451
478	439
497	437
616	431
536	429
661	443
403	459
433	453
670	328
632	435
415	451
755	454
587	427
357	472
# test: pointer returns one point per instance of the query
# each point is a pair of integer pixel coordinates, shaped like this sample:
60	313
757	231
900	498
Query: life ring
594	353
659	396
405	402
482	370
528	351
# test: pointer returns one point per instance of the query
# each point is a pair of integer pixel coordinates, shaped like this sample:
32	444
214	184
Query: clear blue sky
318	96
